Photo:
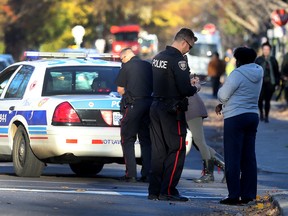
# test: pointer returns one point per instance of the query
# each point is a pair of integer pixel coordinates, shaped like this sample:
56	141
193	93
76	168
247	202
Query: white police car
61	110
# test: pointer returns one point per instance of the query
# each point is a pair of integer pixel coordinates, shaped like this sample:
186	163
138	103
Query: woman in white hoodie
239	105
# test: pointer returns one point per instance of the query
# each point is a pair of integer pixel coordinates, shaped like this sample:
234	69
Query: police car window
80	80
17	87
5	76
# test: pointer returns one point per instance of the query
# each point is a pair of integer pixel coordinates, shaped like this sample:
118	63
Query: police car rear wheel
26	164
86	168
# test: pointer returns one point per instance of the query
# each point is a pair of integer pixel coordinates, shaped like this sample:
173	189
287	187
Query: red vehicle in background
125	36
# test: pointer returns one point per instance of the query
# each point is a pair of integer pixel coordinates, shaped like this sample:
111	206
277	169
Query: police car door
13	83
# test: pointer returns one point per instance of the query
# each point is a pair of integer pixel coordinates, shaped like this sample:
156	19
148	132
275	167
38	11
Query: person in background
230	62
134	84
230	66
271	79
216	68
194	117
171	86
239	104
284	78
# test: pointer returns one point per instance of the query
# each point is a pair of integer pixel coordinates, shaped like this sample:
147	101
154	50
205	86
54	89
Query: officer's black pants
168	149
135	122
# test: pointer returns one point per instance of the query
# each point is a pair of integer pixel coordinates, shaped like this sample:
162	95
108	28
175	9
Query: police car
63	109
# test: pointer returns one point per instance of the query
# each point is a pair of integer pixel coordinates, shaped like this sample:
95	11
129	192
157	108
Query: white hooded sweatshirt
240	92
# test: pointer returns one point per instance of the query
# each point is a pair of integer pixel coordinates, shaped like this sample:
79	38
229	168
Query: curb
281	201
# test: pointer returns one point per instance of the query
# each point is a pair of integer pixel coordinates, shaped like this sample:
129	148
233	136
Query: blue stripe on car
33	117
4	130
36	117
37	130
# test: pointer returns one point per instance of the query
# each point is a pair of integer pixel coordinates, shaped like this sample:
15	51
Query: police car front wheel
26	164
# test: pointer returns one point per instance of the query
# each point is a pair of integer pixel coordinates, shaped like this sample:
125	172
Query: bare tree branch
237	18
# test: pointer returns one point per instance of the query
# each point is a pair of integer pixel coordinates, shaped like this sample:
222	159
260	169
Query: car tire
26	164
86	168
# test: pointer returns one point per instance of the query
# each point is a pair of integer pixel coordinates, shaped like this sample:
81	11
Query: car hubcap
22	152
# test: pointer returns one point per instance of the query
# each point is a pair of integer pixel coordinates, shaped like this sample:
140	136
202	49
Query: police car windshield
126	36
203	50
80	80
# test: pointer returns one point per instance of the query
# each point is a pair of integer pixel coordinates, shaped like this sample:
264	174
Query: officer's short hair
125	50
245	55
185	33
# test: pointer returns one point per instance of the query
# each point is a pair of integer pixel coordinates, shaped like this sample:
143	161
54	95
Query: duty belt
142	97
167	98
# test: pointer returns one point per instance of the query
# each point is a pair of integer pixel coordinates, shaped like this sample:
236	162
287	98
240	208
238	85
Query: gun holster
178	105
126	100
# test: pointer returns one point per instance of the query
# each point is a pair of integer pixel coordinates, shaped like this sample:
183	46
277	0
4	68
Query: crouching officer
171	86
134	83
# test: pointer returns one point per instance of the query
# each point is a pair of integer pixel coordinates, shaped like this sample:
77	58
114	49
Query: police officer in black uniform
135	84
171	86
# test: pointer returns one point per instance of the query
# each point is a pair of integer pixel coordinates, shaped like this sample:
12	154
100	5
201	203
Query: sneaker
153	197
128	179
177	198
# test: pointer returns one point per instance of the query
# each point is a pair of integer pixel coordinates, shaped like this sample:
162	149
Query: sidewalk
271	142
272	150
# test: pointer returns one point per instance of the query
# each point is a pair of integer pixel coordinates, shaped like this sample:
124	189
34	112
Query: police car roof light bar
54	54
32	55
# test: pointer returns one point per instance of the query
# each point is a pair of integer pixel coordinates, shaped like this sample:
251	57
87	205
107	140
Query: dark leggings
265	95
239	153
215	85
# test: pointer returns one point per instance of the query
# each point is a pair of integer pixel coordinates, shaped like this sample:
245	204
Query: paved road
60	192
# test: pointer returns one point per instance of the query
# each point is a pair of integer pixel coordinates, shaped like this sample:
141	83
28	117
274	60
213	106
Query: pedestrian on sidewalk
271	79
134	84
194	116
171	86
216	68
239	104
284	78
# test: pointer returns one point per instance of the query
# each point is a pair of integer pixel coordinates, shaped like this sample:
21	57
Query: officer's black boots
208	170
